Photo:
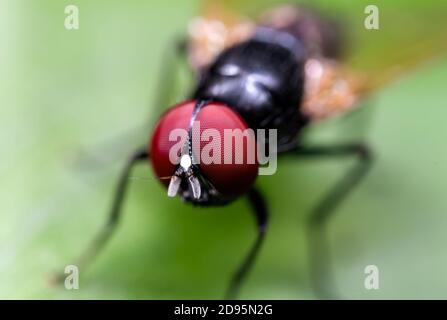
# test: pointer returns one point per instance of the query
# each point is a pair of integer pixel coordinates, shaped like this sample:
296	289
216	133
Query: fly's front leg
260	210
109	227
320	259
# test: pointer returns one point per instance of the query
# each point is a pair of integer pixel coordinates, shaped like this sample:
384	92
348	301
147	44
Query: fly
282	72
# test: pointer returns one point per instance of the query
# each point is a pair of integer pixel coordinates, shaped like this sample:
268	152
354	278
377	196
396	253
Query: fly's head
204	152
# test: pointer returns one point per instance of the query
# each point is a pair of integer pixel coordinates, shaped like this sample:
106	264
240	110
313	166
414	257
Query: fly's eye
164	139
223	147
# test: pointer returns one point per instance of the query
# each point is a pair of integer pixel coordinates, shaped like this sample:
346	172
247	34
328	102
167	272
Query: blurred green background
63	93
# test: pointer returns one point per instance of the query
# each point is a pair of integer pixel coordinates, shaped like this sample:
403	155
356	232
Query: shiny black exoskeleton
263	80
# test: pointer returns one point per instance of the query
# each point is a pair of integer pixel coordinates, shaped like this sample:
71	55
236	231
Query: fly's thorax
262	81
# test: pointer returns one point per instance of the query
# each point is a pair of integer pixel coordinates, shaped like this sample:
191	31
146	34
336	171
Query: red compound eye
225	147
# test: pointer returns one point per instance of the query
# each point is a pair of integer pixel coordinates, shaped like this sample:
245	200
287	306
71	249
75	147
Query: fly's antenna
186	169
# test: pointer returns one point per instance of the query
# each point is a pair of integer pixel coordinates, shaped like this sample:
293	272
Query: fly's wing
409	34
381	43
384	42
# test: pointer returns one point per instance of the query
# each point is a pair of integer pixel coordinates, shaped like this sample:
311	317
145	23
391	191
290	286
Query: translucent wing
408	34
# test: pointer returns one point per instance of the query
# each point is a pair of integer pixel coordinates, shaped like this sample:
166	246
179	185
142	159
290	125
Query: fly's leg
109	227
260	210
318	244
